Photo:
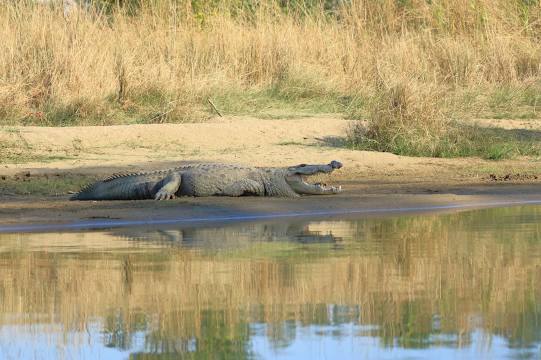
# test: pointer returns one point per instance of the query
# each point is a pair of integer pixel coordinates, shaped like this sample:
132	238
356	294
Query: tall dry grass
161	61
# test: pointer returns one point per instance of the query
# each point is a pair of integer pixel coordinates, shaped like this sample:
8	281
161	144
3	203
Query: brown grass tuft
405	114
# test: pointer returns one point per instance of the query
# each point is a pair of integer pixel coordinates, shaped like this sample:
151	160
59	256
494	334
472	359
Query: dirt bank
35	173
368	199
97	150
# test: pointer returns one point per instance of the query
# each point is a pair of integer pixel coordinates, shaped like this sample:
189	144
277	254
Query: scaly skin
210	180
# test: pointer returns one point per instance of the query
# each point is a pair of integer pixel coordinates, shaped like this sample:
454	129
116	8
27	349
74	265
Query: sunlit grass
158	62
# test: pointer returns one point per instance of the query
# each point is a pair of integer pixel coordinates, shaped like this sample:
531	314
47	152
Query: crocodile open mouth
297	178
327	187
304	187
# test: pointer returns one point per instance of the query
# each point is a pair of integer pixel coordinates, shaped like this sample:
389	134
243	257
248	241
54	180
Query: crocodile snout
336	164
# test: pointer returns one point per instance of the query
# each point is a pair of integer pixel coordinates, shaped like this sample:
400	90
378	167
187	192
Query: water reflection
458	285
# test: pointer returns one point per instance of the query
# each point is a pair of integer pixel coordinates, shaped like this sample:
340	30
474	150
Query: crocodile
211	180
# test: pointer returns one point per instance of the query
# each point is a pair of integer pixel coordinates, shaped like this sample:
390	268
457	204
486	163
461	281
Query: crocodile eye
301	165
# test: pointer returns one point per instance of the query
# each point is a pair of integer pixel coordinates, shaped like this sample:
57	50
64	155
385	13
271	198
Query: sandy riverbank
372	181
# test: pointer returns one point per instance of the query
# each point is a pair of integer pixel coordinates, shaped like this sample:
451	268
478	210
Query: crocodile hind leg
243	187
167	188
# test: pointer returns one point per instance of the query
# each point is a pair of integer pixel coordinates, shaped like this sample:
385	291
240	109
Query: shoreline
239	218
35	185
32	214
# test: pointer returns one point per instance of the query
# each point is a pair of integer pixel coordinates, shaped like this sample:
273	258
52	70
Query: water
451	286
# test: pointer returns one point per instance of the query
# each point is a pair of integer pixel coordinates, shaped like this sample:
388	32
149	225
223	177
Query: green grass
20	152
405	119
510	103
497	143
516	115
276	103
54	185
154	106
461	141
294	96
144	106
290	143
409	118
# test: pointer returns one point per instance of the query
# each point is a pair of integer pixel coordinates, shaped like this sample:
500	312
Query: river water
458	285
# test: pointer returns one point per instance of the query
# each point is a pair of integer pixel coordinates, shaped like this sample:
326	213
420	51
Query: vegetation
411	122
50	185
412	69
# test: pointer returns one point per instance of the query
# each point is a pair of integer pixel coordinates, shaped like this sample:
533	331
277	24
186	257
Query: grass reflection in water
416	282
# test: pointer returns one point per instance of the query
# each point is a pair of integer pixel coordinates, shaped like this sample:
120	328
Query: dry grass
403	118
411	119
451	59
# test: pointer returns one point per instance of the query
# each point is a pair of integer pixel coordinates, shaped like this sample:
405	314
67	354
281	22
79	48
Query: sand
234	140
370	180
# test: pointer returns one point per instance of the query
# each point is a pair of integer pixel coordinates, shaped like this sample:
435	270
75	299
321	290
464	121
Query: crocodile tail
99	190
86	193
132	186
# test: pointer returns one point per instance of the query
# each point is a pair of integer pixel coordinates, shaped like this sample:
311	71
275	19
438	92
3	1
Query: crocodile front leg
167	187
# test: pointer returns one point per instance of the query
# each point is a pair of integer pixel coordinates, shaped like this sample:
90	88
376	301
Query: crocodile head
295	178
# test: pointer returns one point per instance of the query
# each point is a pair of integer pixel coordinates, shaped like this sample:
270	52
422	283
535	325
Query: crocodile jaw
295	179
302	187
